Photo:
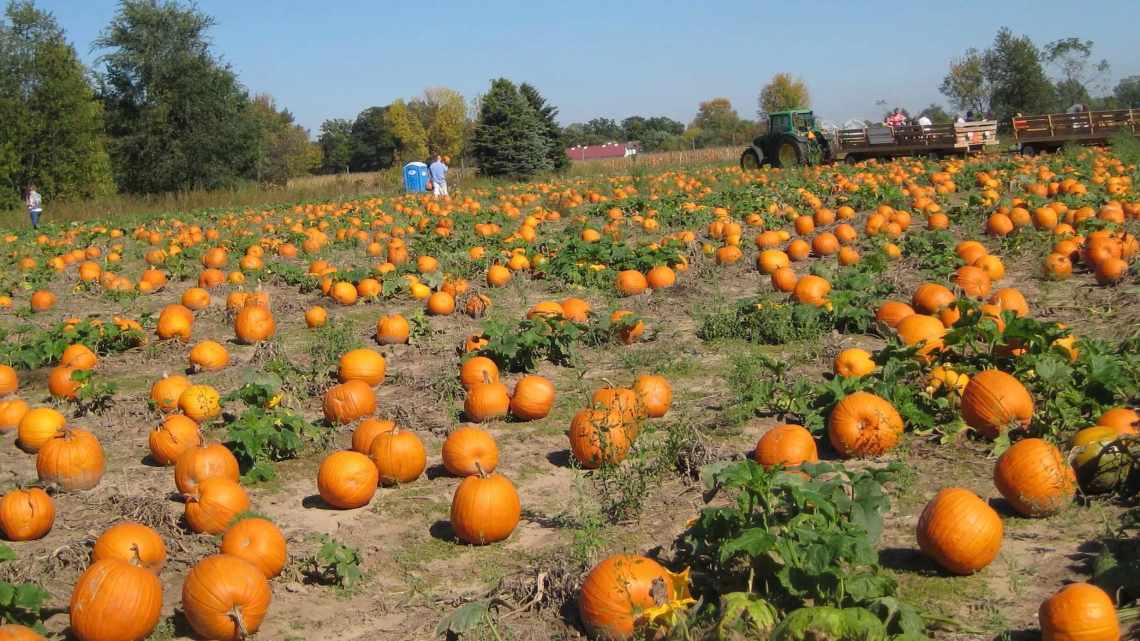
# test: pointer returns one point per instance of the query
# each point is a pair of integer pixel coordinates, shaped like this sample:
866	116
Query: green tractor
792	139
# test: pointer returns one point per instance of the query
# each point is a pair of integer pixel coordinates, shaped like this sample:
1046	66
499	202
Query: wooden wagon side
1050	131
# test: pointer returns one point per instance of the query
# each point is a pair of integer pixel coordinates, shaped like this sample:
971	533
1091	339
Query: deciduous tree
336	145
1127	92
783	92
966	85
373	145
1013	67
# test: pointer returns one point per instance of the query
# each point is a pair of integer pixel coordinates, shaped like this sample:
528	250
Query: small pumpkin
12	411
347	480
72	460
631	282
208	460
175	321
37	427
316	316
485	508
892	312
627	326
399	456
131	542
786	445
19	633
654	394
959	531
225	598
61	383
349	401
478	370
254	323
26	515
174	436
392	330
214	504
1124	419
362	365
115	600
1079	612
994	401
854	363
209	356
598	436
164	393
367	431
200	403
9	380
576	310
862	424
925	331
1035	478
533	398
258	541
77	356
486	401
469	448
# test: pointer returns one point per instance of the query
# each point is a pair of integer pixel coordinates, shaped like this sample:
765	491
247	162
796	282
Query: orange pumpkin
209	356
38	426
347	480
115	600
174	436
786	445
994	401
259	542
362	365
399	456
959	531
131	542
1079	612
205	461
367	432
891	313
467	446
200	402
214	504
254	323
486	401
9	380
349	401
392	330
622	587
12	411
225	598
853	363
26	515
598	436
862	424
1035	478
166	391
485	508
72	460
175	321
533	398
654	394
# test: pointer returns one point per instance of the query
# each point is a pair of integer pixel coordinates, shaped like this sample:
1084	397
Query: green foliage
373	145
766	320
796	542
509	137
519	347
265	431
934	252
571	259
335	141
283	150
841	624
408	132
335	564
93	394
551	131
21	603
1014	71
783	92
36	348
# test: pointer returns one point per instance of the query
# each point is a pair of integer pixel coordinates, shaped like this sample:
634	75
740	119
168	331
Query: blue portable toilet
415	177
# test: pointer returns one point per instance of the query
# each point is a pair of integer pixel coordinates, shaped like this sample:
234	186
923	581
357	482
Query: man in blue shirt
438	172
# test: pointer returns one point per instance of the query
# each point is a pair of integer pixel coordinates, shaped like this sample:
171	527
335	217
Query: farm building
598	152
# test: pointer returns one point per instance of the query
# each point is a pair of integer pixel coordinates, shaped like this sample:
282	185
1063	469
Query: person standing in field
35	203
438	172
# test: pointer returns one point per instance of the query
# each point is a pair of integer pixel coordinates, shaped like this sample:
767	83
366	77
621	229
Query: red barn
597	152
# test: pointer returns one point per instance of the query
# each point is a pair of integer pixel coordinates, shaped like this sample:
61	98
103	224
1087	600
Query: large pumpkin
206	461
598	436
959	531
485	508
73	460
131	542
392	330
26	515
362	365
347	480
399	456
19	633
863	424
254	323
486	401
349	401
533	398
787	445
994	401
225	598
175	321
115	601
175	435
478	370
620	589
1079	612
214	505
654	394
37	427
1035	478
258	541
467	449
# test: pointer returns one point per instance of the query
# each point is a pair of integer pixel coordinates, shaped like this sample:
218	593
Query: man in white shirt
438	172
35	204
924	121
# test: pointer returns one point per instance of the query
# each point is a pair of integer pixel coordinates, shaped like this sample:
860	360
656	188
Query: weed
22	603
334	563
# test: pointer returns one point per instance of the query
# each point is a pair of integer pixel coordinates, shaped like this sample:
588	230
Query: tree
1013	68
966	85
719	124
336	145
1072	57
936	114
782	93
373	145
551	132
407	131
508	138
1127	92
177	115
283	150
51	131
654	133
443	113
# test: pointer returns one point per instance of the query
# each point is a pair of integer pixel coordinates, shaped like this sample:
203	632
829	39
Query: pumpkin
200	402
1125	420
206	461
9	380
1010	299
347	480
174	436
42	301
254	323
959	531
945	380
854	363
399	456
392	330
812	290
995	401
1079	612
621	588
72	460
469	448
533	398
786	445
1058	267
195	299
209	356
653	394
258	541
784	280
545	309
214	504
316	316
1035	478
78	356
924	331
892	312
131	542
478	370
661	277
349	401
166	391
115	600
225	598
175	321
476	305
26	515
598	436
498	276
62	385
576	310
362	365
19	633
1099	468
973	281
12	411
485	508
862	424
367	432
631	282
37	427
771	260
441	304
627	326
929	298
486	401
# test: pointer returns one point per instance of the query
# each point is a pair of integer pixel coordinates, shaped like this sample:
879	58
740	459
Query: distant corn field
657	159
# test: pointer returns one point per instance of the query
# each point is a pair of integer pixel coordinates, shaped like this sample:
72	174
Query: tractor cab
791	139
798	122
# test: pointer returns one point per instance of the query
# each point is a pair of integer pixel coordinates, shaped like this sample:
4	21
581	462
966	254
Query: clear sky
614	59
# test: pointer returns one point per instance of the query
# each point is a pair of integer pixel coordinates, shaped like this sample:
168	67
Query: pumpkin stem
482	472
486	378
136	556
235	614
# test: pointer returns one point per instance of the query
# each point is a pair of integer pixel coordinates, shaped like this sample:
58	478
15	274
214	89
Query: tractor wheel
789	153
851	159
749	160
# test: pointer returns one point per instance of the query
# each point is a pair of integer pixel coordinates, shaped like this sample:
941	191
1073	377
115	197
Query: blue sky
613	59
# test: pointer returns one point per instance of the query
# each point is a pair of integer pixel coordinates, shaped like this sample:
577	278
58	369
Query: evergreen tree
407	131
51	127
509	136
551	132
177	115
373	145
336	145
